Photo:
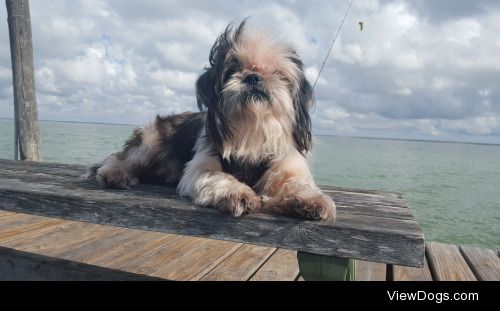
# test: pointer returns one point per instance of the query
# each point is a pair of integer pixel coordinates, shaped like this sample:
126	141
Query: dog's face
254	78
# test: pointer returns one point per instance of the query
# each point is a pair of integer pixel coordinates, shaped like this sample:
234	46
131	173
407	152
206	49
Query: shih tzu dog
246	150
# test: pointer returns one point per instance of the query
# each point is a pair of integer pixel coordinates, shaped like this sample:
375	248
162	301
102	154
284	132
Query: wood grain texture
5	215
447	263
401	273
131	248
483	262
370	271
142	252
47	241
196	261
371	225
16	265
282	266
26	230
183	258
12	221
23	78
89	248
241	265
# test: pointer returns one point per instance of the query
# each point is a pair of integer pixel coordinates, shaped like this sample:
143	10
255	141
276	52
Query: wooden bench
372	226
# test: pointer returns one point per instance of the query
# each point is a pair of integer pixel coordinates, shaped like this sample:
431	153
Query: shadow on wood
23	266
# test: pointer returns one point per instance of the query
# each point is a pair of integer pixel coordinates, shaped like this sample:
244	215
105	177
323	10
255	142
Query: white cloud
418	67
88	68
311	74
479	125
177	79
403	91
45	80
462	32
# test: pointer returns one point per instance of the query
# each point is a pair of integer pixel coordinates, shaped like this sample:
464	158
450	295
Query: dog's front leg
288	188
206	184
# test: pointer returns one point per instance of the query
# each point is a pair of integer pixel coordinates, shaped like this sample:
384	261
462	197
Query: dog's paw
318	207
315	206
239	201
115	177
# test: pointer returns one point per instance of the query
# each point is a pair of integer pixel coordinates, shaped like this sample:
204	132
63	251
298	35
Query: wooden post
325	268
21	49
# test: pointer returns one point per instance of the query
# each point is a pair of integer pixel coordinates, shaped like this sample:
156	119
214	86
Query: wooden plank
362	191
401	273
483	262
15	221
39	169
155	258
58	237
169	260
5	215
195	261
87	250
22	266
347	202
447	264
131	246
241	265
54	191
370	271
28	229
282	266
12	220
137	256
78	241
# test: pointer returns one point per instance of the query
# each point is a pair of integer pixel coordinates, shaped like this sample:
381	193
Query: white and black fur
246	150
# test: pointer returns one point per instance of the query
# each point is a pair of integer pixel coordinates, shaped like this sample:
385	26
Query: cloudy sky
419	69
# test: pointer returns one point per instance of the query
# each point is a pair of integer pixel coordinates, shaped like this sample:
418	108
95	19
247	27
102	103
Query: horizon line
327	135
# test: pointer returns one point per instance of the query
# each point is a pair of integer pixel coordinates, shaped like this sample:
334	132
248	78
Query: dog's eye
281	76
231	70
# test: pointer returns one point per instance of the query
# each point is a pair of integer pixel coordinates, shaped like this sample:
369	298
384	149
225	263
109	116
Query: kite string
332	44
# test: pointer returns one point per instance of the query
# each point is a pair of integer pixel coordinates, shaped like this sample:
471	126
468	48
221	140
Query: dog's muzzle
255	88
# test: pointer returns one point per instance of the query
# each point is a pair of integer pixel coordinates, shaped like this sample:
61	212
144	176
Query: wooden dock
54	226
42	248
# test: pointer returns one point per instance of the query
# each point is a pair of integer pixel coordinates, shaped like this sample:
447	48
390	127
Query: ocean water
453	188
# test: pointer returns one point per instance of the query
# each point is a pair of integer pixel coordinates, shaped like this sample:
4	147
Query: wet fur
260	123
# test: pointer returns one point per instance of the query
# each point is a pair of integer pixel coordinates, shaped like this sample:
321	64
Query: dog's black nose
252	79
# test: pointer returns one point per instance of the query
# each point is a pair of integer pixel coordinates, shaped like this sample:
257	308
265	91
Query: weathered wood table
372	226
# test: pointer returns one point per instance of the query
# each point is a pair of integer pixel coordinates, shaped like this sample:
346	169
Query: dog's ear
210	84
208	93
302	103
208	97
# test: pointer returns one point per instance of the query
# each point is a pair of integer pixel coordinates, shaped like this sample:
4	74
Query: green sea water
453	188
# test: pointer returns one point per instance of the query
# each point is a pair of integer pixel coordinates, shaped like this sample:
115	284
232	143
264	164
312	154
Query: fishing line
333	43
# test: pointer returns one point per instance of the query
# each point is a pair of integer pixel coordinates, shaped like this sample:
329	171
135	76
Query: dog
245	151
